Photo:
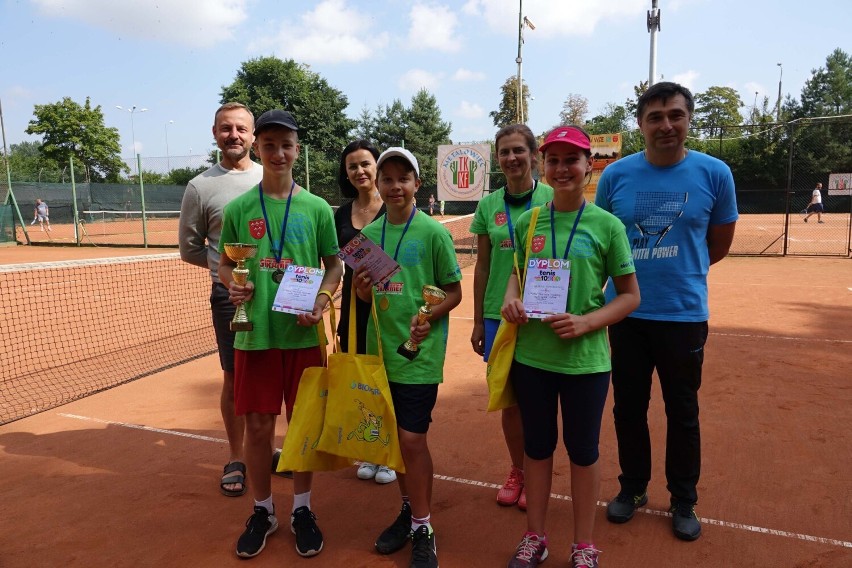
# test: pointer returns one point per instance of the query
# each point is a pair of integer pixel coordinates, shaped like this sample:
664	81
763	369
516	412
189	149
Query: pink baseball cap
567	135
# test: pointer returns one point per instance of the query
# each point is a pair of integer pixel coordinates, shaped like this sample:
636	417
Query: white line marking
783	338
486	485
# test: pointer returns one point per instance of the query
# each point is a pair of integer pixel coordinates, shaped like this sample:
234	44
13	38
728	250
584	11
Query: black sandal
238	469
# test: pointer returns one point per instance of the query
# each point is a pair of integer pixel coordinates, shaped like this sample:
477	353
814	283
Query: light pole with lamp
778	109
133	110
522	21
168	160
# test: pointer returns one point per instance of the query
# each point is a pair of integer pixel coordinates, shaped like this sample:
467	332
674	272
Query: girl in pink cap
562	354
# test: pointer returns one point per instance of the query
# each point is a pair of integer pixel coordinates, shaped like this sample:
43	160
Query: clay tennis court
129	476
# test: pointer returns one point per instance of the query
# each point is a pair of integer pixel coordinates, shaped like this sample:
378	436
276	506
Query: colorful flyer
546	287
298	289
361	251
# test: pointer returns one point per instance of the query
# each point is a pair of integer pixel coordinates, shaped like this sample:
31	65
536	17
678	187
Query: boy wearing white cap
425	252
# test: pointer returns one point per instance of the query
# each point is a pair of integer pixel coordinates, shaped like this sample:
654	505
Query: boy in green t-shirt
289	226
424	250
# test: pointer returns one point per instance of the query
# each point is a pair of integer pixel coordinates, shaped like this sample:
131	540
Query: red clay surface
129	477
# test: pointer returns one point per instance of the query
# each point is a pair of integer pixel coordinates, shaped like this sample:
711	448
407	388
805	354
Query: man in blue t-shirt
680	210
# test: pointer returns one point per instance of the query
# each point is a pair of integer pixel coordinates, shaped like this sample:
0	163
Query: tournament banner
463	172
606	148
840	184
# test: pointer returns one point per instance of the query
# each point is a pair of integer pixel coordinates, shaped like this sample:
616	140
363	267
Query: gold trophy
433	296
239	253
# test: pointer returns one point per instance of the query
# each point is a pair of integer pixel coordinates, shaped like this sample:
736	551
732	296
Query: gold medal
384	303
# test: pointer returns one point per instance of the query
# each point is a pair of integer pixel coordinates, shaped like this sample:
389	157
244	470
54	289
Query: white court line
462	481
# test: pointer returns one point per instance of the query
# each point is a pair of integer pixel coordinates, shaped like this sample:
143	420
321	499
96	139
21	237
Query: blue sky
173	56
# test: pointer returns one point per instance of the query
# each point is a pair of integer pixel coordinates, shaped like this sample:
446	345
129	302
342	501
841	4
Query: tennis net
79	327
75	328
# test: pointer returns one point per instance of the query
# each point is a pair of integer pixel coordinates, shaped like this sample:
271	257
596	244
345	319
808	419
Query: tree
390	125
364	125
632	105
268	83
716	108
829	90
69	129
613	119
181	176
507	112
26	163
574	110
426	131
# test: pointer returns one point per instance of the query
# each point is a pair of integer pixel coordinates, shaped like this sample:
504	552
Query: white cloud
415	79
326	35
553	19
463	74
197	23
433	28
469	110
687	79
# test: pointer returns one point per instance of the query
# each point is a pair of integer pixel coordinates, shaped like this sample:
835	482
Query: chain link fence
776	168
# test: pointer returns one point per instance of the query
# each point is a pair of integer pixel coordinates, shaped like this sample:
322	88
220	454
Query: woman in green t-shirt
493	223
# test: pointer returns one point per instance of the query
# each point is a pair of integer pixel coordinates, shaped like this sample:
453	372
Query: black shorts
413	406
815	208
223	311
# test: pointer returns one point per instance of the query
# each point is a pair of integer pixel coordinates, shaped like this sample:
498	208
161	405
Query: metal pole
307	168
74	202
10	195
778	107
168	160
142	196
519	112
653	28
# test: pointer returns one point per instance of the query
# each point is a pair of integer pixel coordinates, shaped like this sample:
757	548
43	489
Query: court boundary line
487	485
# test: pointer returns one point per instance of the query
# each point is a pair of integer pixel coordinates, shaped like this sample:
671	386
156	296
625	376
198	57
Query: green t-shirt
310	236
600	249
426	256
490	219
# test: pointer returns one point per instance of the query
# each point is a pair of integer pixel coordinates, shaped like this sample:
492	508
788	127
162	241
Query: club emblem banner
463	172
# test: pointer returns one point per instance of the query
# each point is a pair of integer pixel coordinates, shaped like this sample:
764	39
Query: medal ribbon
402	236
509	215
279	252
573	229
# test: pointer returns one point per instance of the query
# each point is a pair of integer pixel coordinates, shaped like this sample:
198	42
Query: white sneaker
367	470
385	475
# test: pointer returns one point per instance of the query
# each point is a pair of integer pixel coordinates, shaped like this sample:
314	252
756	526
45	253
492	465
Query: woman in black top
357	180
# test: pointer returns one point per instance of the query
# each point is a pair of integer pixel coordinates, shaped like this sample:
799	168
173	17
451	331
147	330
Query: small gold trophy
433	296
239	253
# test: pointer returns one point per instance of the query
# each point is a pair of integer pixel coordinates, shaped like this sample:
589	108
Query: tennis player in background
198	235
688	198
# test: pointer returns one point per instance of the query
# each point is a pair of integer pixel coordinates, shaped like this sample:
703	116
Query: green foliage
69	129
574	110
26	163
717	107
507	112
419	128
268	83
181	176
829	90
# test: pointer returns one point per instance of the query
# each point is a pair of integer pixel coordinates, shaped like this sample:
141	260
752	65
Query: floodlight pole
133	110
518	60
653	28
168	160
778	106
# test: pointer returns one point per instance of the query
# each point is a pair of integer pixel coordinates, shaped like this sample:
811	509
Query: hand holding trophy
433	296
239	253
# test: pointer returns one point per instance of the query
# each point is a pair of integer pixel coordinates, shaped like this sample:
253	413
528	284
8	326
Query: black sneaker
303	523
260	525
424	553
398	534
685	523
621	509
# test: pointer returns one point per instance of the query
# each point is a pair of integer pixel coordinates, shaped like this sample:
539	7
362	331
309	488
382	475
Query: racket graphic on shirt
656	211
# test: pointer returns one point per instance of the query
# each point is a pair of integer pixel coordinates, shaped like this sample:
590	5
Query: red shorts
265	379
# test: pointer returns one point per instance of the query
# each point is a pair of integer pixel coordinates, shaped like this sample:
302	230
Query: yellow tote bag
300	452
360	422
500	393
